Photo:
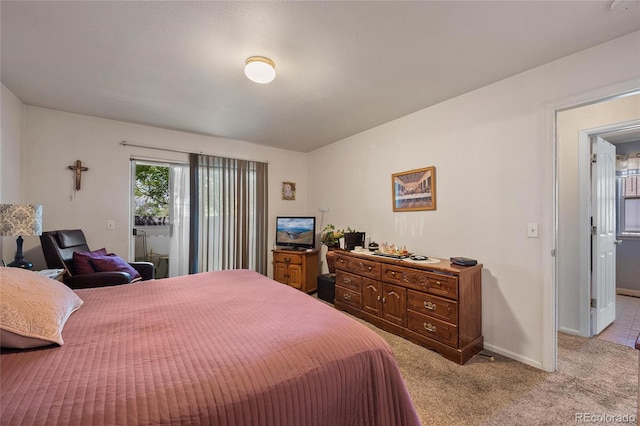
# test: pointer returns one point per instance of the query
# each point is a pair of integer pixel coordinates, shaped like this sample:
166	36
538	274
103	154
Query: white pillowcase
33	309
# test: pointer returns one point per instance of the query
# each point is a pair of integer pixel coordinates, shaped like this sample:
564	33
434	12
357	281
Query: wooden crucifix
78	169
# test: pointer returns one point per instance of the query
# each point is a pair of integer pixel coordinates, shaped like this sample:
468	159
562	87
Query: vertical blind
228	214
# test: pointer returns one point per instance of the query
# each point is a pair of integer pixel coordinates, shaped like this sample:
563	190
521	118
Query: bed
217	348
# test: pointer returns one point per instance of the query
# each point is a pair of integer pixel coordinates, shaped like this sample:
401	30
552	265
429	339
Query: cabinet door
280	272
372	296
394	304
295	276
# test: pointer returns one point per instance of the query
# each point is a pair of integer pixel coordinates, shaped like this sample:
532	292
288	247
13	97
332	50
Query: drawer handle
347	280
429	327
287	259
346	296
438	283
431	306
393	274
370	268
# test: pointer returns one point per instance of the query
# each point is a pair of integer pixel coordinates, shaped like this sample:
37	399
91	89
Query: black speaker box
463	261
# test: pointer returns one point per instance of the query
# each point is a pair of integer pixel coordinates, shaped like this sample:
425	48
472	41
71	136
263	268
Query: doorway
160	215
626	326
151	214
573	267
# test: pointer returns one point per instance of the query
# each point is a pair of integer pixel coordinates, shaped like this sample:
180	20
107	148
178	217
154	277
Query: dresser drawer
287	258
350	281
438	284
345	296
444	309
433	328
366	268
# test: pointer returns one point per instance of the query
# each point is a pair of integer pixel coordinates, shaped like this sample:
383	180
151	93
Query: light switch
532	230
111	225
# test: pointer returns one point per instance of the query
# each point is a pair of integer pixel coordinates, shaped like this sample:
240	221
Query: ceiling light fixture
622	4
260	69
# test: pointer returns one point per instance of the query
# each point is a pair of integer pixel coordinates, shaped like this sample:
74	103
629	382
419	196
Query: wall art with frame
414	190
288	191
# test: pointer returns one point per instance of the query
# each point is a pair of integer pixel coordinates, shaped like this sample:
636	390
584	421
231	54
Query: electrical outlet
323	209
111	225
532	230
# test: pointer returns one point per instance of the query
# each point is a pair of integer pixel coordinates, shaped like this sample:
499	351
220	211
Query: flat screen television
294	232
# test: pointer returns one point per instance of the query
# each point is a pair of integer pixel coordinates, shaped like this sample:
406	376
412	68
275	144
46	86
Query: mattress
217	348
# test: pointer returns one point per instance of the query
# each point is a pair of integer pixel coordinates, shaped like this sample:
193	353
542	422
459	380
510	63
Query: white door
603	205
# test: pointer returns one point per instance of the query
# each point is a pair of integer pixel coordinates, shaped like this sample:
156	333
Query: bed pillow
111	263
33	309
82	261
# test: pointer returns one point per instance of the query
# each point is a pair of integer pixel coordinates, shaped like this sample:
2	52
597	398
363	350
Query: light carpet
594	378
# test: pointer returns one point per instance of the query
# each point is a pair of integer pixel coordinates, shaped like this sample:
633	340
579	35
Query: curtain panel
179	230
228	214
628	170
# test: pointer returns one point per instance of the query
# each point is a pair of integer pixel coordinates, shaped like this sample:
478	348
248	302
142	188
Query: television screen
296	232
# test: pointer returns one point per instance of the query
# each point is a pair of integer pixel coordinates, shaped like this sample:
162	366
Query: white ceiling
343	67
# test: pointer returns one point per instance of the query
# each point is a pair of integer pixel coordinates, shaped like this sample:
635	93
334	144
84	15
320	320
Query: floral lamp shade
17	220
20	219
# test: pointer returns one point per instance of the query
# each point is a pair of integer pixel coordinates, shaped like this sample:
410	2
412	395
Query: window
628	190
630	215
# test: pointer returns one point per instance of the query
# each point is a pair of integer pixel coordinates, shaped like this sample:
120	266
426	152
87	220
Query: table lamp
18	220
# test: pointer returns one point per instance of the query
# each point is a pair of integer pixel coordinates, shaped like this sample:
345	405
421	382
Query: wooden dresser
436	305
299	269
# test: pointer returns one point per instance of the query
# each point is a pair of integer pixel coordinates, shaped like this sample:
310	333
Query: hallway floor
626	327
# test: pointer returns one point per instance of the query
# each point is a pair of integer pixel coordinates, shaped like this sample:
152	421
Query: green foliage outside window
152	191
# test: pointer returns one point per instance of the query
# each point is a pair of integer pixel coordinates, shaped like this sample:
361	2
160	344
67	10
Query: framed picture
288	190
414	190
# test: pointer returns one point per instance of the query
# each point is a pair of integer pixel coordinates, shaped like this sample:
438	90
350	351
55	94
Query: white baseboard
628	292
570	331
514	355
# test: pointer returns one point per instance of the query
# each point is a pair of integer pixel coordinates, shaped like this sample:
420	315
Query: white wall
11	166
54	140
493	153
573	294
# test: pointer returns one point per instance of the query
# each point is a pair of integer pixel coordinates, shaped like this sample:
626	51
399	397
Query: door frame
550	204
133	161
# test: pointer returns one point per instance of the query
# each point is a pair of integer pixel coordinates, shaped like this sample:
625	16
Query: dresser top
314	250
432	264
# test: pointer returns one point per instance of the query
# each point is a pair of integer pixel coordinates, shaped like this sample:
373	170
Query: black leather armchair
58	248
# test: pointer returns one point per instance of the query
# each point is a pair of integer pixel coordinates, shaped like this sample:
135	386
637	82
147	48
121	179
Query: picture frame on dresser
414	190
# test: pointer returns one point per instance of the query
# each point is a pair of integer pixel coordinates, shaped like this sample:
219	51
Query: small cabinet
298	269
385	300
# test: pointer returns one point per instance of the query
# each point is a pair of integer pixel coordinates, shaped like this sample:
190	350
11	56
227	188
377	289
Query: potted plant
331	238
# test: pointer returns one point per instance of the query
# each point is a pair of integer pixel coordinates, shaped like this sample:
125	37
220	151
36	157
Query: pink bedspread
219	348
